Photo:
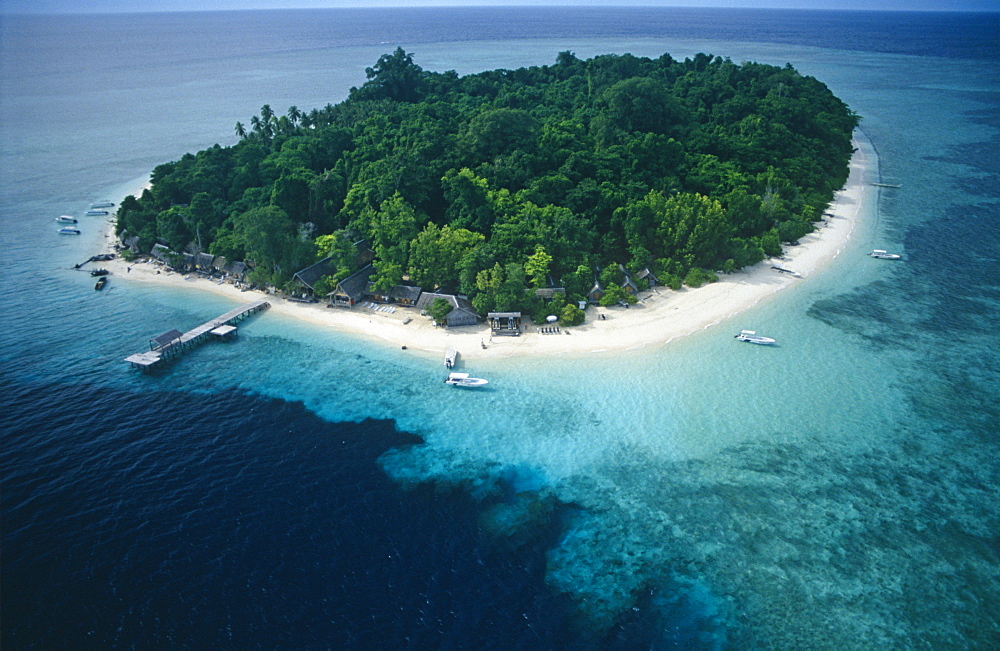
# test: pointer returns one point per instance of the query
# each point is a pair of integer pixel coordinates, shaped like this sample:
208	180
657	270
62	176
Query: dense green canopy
493	183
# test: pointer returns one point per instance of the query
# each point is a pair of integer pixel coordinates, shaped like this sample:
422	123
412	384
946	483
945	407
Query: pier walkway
174	342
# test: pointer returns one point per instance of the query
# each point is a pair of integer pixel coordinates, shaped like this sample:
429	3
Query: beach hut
204	262
309	276
462	313
647	275
236	271
595	294
160	252
627	283
351	289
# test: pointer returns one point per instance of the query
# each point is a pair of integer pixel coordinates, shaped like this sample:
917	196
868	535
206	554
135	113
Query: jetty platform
173	342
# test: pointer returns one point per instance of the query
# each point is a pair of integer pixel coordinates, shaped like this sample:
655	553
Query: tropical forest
498	184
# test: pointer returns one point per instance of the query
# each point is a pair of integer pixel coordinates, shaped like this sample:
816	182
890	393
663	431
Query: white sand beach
661	315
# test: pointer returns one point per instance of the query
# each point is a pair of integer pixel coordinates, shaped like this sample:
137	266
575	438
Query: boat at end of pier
751	337
463	380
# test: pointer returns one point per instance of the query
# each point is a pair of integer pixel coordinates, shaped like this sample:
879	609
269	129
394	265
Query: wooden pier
173	342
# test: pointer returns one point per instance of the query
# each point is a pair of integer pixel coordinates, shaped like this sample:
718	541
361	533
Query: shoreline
661	316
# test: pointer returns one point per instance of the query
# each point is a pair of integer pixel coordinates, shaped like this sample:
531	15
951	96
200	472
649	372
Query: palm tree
241	130
255	123
294	114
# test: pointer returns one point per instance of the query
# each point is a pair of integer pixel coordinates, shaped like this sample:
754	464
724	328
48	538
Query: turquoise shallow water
804	495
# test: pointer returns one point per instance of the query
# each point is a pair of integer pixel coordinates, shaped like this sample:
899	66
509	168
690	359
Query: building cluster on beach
359	290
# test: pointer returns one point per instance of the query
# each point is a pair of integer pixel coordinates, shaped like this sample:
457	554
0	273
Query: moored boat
450	356
884	255
99	272
101	282
69	230
65	219
463	380
783	270
96	213
102	204
751	336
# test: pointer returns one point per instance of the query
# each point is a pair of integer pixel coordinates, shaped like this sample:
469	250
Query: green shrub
698	277
571	315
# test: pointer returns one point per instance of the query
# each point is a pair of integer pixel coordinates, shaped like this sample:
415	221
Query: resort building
505	324
350	290
400	294
309	276
204	262
462	312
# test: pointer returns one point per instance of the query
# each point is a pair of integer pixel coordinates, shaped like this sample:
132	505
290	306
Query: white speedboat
65	219
69	230
751	336
463	380
879	253
96	213
103	204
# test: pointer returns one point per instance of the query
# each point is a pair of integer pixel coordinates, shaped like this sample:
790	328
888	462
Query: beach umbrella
552	318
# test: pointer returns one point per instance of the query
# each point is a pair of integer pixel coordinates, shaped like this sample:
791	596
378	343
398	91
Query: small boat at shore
69	230
99	272
450	357
751	337
65	219
96	213
463	380
102	204
783	270
101	282
884	255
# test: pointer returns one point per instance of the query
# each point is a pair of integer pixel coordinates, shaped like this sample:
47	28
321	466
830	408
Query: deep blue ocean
305	489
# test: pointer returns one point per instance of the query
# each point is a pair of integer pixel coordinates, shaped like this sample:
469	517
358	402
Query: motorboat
99	272
69	230
101	282
65	219
96	213
450	356
884	255
102	204
463	380
751	336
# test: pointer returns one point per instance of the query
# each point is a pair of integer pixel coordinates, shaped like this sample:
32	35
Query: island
542	200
